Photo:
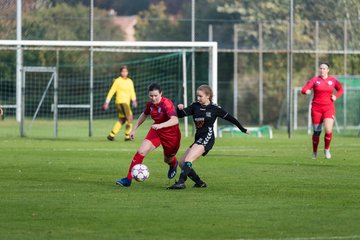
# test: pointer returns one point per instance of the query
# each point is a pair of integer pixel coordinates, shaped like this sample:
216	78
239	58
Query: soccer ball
140	172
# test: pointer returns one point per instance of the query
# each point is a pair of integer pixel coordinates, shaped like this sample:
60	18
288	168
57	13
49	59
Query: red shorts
169	138
320	112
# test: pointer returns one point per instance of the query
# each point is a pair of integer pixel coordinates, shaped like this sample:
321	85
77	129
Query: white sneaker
314	155
327	154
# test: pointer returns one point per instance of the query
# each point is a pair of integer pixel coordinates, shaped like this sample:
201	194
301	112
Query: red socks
327	138
138	159
315	141
173	162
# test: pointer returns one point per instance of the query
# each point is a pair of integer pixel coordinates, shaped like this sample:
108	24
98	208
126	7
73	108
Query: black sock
193	176
185	172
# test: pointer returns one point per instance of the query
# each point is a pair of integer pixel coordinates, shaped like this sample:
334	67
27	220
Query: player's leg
129	120
171	145
329	118
117	126
316	117
192	174
150	143
193	153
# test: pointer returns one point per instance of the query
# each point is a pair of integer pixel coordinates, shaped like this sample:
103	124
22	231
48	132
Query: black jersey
205	116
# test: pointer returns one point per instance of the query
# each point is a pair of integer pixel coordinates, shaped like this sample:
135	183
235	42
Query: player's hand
333	98
180	106
134	103
156	126
132	135
105	106
308	92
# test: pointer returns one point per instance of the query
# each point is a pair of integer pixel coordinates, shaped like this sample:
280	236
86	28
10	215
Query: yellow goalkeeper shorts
124	110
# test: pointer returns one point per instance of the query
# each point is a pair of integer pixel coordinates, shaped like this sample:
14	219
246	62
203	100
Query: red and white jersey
323	89
160	112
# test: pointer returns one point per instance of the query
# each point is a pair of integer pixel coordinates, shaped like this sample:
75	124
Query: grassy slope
258	188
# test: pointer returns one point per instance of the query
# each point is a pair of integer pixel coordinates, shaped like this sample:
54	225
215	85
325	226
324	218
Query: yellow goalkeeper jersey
124	89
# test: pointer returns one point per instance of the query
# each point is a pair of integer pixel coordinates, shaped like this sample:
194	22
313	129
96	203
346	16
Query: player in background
124	89
323	107
1	113
164	131
204	113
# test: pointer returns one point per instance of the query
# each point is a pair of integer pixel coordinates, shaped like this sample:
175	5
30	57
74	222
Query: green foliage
66	22
154	24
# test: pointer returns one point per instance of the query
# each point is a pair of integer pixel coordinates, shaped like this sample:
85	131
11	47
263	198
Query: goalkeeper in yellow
124	89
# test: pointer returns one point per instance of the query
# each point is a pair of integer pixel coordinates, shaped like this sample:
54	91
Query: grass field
258	189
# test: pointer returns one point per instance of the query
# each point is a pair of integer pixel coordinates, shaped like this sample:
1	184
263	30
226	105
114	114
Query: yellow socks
115	130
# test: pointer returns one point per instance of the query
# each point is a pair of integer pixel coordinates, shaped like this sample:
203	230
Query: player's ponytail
207	90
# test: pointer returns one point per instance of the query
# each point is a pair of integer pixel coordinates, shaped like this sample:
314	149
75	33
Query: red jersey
160	112
323	89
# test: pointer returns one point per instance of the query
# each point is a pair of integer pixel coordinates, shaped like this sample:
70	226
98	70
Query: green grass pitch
257	188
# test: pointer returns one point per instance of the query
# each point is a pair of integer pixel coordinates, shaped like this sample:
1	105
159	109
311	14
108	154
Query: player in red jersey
323	107
164	131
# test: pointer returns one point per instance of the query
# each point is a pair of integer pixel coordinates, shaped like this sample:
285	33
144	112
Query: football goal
69	80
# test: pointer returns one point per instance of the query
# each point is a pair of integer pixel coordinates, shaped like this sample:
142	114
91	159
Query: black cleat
110	138
200	185
177	186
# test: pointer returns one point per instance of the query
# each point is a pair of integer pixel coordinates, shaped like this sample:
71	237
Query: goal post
112	47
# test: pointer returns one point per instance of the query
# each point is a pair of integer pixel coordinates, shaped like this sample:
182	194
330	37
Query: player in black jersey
204	114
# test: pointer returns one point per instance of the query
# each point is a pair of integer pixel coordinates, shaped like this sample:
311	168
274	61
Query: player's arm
171	122
228	117
307	87
183	112
133	94
139	121
110	95
339	91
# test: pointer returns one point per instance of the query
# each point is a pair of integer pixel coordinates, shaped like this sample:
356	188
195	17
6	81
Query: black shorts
206	139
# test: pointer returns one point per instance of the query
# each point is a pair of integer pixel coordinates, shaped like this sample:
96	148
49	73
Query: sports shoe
127	138
200	185
172	171
125	182
314	155
110	138
177	186
327	154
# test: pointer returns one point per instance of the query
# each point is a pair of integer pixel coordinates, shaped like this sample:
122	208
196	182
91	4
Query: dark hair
325	63
207	90
154	86
123	67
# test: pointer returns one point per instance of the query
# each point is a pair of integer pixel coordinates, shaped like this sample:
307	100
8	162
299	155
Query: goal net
84	72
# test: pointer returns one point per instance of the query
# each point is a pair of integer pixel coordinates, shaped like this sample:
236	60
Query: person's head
155	93
324	69
124	71
204	94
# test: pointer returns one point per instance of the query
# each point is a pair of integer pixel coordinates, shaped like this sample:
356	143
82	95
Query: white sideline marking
307	238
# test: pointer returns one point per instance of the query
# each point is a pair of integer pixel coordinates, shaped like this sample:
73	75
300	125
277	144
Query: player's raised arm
183	111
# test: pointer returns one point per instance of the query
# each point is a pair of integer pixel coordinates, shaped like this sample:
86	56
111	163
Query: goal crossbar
107	44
